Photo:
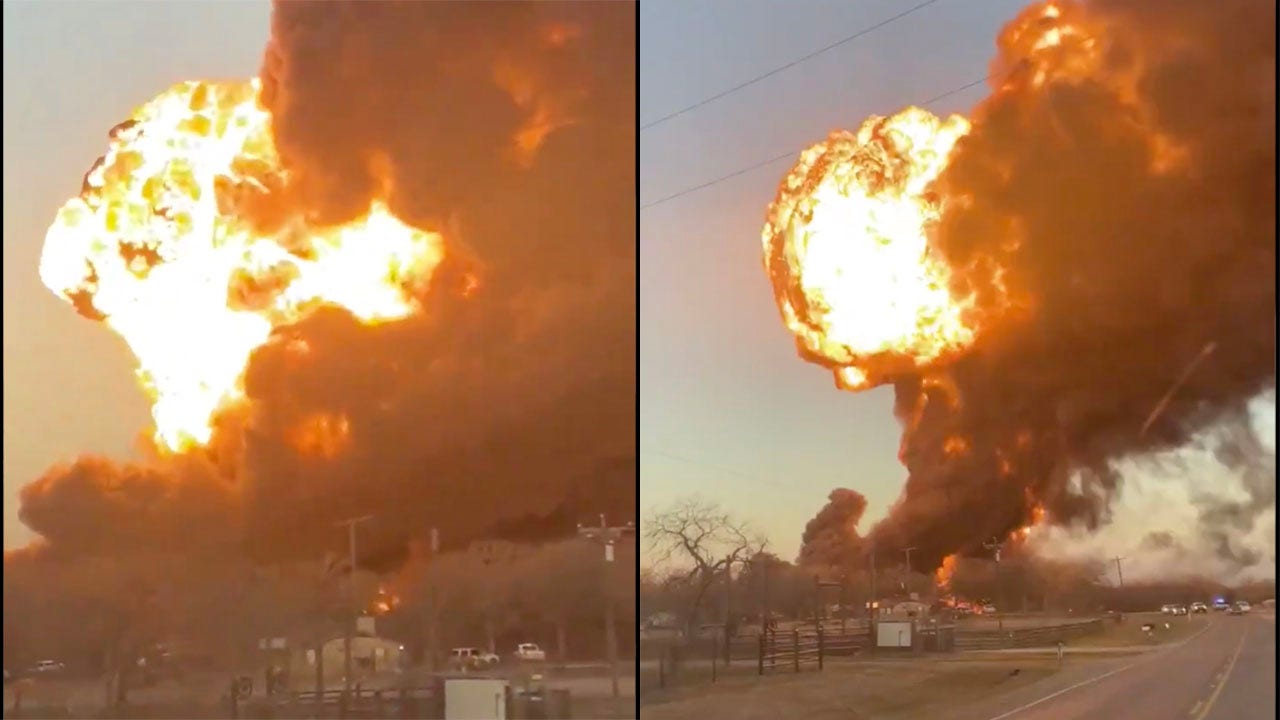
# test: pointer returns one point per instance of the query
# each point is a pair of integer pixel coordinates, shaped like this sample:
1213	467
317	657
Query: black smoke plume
506	407
1134	205
831	539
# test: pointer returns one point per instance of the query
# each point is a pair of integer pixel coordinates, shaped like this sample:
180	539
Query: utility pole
875	602
350	624
873	607
844	600
995	545
728	605
607	536
1119	572
906	582
764	592
432	611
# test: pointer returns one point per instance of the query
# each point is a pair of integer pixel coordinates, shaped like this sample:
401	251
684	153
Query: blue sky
727	409
72	70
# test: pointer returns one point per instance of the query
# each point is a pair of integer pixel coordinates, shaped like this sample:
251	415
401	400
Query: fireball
846	245
181	243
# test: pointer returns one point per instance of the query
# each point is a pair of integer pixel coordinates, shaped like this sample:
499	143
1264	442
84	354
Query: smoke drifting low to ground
1207	511
1107	229
508	396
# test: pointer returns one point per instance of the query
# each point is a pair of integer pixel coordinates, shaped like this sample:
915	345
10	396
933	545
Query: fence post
795	648
760	655
715	652
662	661
821	648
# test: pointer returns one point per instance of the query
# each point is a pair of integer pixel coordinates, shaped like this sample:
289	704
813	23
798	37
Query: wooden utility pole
764	592
352	610
607	536
874	605
1119	571
995	545
728	606
875	602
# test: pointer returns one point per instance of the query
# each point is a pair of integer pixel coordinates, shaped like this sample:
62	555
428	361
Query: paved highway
1226	672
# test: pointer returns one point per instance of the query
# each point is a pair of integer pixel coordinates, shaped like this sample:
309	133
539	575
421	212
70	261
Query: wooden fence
806	647
417	702
1047	636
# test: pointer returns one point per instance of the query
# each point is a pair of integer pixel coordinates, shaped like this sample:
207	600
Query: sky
72	70
728	411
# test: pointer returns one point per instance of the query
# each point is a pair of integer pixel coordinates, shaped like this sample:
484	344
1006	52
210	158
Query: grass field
851	690
1129	632
890	689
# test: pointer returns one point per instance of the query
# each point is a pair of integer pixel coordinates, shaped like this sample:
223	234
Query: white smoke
1185	514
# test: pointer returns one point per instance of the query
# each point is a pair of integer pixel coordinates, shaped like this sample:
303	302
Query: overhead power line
709	466
788	66
792	153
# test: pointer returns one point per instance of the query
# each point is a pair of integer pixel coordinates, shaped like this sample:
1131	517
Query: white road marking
1103	676
1062	692
1225	674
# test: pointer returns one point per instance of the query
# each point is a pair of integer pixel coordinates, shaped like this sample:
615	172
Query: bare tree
699	540
560	580
476	584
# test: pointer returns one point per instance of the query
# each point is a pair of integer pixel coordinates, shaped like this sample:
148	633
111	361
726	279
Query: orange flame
1037	517
955	445
846	246
160	245
321	435
847	239
384	602
942	576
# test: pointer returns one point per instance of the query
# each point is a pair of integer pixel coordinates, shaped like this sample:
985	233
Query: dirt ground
203	695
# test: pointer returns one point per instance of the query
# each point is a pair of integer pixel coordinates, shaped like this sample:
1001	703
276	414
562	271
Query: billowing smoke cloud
94	504
831	539
1206	511
510	128
1131	207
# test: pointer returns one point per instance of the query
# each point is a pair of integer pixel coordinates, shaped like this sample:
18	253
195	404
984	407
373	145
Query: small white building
910	609
369	656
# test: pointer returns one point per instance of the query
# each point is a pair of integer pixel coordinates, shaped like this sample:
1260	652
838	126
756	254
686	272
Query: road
1226	672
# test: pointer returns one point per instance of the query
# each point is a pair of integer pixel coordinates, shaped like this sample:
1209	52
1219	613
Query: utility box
894	634
475	699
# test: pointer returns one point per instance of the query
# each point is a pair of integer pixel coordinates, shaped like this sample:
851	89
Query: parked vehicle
1179	609
530	652
470	658
48	667
1199	608
1221	605
1240	608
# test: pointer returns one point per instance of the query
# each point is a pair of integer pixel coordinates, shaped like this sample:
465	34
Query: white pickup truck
529	652
471	658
